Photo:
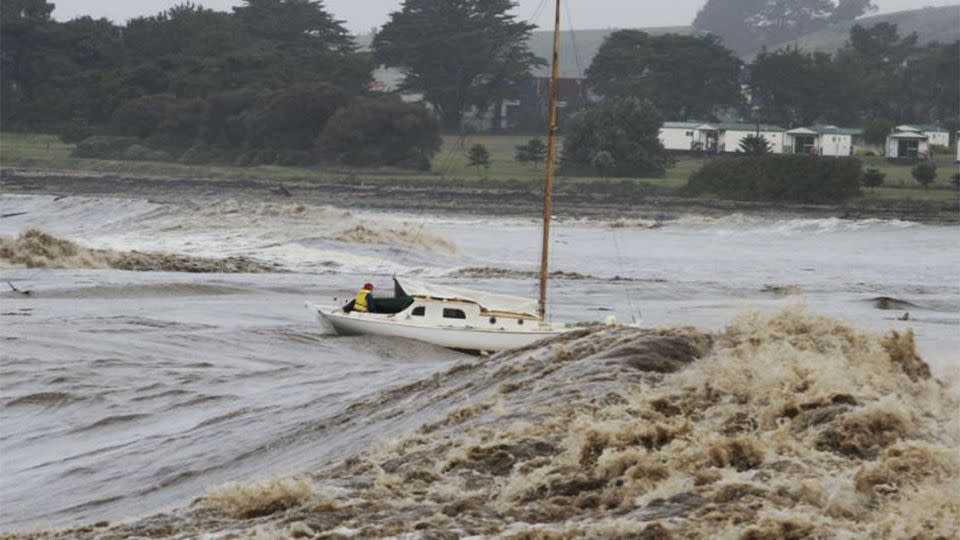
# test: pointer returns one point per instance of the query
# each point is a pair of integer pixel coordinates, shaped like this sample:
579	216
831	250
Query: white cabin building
820	141
935	134
716	137
909	144
730	136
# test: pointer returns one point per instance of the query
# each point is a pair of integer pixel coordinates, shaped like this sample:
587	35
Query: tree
458	54
955	180
924	173
685	76
478	156
876	131
755	145
873	178
626	128
783	85
603	162
293	117
377	132
748	25
534	151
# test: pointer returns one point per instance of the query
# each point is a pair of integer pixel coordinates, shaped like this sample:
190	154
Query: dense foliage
626	129
747	25
686	76
796	178
457	53
381	132
878	75
80	71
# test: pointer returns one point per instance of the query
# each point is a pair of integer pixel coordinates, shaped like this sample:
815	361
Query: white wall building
935	134
820	141
907	145
730	136
716	137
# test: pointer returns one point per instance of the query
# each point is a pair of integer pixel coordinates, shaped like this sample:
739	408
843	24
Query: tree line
282	81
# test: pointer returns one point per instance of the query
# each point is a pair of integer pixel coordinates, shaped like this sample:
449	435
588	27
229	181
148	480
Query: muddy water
124	393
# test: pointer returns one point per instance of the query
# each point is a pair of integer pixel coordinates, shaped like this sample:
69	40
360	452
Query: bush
955	180
378	132
779	178
294	117
924	172
627	129
939	150
103	147
76	132
873	178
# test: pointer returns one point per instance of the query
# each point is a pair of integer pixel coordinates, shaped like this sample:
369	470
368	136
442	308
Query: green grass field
450	164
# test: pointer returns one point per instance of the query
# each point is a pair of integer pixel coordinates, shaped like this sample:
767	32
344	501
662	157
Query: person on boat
364	300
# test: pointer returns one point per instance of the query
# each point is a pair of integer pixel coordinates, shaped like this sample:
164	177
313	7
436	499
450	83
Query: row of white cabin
905	142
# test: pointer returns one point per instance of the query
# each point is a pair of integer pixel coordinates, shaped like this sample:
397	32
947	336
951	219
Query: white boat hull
469	339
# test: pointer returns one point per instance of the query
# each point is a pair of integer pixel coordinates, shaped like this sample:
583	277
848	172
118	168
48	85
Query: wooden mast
551	158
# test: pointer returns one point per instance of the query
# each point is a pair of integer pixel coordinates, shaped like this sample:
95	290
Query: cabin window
419	311
450	313
493	320
520	322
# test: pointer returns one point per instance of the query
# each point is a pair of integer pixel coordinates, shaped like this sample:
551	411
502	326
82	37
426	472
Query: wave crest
37	249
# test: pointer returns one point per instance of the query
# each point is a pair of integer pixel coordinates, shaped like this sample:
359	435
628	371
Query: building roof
747	127
908	135
834	130
682	125
920	128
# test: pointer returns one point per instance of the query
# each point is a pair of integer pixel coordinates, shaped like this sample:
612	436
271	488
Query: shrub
534	151
873	178
627	129
939	150
376	132
924	173
779	178
755	145
479	156
955	180
138	152
75	132
293	118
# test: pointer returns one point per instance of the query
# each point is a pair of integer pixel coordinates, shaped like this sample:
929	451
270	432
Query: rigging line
576	55
537	12
634	311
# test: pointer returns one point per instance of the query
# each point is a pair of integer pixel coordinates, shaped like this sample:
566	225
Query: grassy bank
449	165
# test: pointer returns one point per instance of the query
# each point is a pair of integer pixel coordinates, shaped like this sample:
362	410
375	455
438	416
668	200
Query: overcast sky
362	15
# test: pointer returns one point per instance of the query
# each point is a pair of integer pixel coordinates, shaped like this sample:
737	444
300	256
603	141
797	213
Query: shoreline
448	197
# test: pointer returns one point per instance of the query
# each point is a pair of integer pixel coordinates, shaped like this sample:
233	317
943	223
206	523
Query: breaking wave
415	237
37	249
780	426
488	272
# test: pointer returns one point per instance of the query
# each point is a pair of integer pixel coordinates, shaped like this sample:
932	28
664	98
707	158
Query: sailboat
461	318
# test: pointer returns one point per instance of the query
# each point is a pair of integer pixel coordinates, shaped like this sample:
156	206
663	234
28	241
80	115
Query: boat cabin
437	306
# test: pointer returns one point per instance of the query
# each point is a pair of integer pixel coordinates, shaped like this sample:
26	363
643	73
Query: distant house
935	134
716	137
686	136
908	144
820	140
729	136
